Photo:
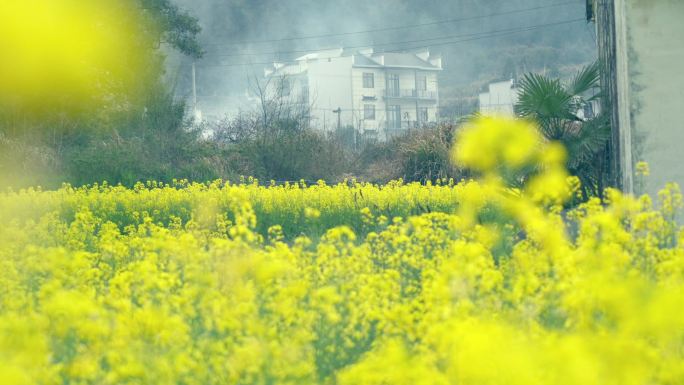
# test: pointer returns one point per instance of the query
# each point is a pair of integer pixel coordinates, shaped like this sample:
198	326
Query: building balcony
407	125
410	94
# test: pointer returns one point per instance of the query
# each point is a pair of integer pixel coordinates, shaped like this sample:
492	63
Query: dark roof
393	59
362	60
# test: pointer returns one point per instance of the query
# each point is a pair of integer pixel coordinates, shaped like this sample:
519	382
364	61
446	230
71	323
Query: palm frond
555	108
585	80
589	140
541	97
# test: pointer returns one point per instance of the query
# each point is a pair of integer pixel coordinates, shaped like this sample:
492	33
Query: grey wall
650	55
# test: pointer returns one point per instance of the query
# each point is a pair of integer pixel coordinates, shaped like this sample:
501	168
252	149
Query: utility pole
194	91
338	111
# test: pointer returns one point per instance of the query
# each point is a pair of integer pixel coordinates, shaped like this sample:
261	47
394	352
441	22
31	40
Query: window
421	82
285	87
588	111
393	85
369	112
305	94
422	114
394	116
368	80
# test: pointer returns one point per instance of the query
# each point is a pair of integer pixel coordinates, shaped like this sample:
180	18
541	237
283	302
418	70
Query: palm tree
557	107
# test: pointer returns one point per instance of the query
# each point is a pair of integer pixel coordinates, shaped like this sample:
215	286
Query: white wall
499	100
651	95
330	88
294	75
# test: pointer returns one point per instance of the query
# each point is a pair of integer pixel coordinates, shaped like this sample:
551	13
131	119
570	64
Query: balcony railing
410	94
408	125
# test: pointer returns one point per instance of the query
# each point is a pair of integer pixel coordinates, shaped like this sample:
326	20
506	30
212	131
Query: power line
394	28
478	36
504	32
591	34
388	43
398	42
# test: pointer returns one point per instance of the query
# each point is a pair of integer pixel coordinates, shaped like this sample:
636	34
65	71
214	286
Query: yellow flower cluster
475	283
295	207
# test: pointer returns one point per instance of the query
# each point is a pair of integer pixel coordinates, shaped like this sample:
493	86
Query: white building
379	94
499	99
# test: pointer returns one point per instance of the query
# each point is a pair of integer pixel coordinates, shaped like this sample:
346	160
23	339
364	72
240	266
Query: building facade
378	94
499	99
641	52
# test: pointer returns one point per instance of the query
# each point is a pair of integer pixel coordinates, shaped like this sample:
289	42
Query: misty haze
315	192
479	42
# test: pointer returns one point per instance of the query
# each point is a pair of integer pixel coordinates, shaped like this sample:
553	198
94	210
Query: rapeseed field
488	281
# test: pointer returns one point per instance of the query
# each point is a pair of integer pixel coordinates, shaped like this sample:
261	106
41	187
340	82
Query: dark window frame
421	82
394	116
285	87
369	111
393	85
368	80
423	114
